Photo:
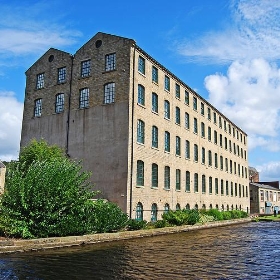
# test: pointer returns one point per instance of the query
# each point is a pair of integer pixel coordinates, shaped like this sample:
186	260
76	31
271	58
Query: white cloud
269	171
252	32
10	126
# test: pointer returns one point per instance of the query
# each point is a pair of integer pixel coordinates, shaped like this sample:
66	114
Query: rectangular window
178	179
221	140
141	65
141	95
195	125
140	131
154	175
202	109
61	75
187	149
167	177
177	91
203	184
229	128
188	181
178	146
195	103
216	186
195	152
222	187
85	68
195	182
215	117
209	133
110	62
140	173
226	163
177	115
225	125
109	93
216	160
210	185
209	158
154	74
84	98
261	195
215	137
154	137
221	163
226	143
209	113
38	107
231	188
227	192
187	98
187	121
40	82
202	130
59	103
167	83
220	122
166	109
167	141
203	155
154	102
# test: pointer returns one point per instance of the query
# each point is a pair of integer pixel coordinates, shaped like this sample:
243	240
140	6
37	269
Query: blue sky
228	51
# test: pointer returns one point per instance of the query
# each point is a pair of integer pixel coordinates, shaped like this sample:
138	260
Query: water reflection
248	251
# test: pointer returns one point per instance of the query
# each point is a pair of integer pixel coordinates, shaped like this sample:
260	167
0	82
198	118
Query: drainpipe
69	107
132	139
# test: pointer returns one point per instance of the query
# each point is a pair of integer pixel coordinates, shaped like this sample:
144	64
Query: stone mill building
151	142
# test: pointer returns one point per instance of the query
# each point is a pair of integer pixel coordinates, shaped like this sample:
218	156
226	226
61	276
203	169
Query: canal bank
24	245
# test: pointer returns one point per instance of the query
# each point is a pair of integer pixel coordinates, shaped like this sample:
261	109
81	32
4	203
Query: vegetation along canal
246	251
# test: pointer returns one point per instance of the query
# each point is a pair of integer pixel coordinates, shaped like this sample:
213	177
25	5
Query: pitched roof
263	186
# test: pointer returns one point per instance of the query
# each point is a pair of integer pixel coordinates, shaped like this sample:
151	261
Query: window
167	177
195	152
222	187
225	143
229	128
141	65
209	133
38	107
216	186
209	158
262	195
195	125
140	173
154	137
234	167
215	137
231	188
188	181
195	103
167	83
202	129
209	113
154	212
141	95
195	182
221	140
215	117
187	151
166	109
220	122
166	208
235	186
154	175
59	103
178	146
40	81
230	166
177	91
188	206
140	131
110	62
85	68
154	102
203	155
61	75
167	141
221	163
187	121
178	207
187	97
84	98
177	115
139	212
203	184
230	146
109	93
210	185
225	125
202	108
178	179
154	74
216	160
226	163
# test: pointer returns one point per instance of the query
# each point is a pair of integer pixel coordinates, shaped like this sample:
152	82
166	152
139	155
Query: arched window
178	207
140	173
139	212
154	212
187	206
217	206
210	207
196	206
227	207
141	95
140	131
223	207
204	207
166	208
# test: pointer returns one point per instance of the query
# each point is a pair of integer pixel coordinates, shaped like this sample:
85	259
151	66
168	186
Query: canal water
246	251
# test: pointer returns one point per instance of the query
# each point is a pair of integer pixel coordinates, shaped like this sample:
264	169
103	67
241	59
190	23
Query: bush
160	224
218	216
105	216
226	215
193	217
244	214
133	224
176	218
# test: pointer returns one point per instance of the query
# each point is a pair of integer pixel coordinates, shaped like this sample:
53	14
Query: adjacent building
151	142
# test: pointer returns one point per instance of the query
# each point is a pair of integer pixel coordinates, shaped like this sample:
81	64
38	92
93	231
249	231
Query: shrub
160	224
235	214
226	215
244	214
177	218
193	217
218	216
133	224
